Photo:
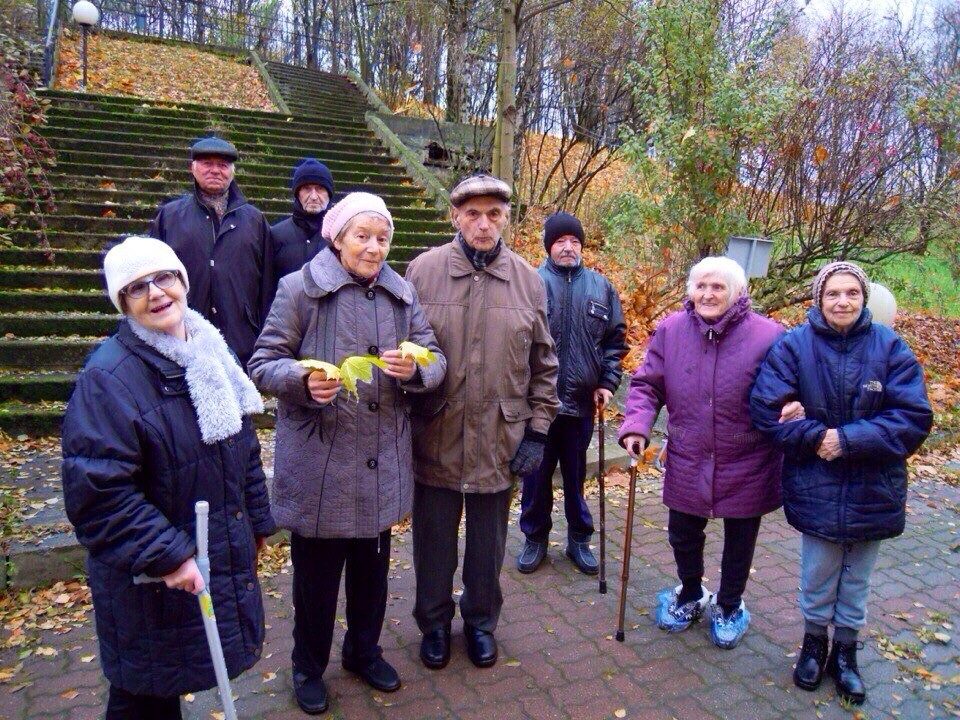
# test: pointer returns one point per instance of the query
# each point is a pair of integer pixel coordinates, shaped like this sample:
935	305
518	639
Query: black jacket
587	325
230	263
869	386
133	467
296	240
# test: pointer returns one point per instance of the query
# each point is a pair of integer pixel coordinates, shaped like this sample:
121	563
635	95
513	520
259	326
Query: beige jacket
501	368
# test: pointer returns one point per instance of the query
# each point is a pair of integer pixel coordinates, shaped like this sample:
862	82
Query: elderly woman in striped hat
844	471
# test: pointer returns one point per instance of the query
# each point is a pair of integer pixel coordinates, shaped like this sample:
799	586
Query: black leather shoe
531	556
813	656
842	667
378	674
435	648
481	646
582	556
310	692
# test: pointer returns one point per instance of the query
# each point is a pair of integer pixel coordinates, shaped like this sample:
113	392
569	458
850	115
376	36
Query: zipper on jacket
843	421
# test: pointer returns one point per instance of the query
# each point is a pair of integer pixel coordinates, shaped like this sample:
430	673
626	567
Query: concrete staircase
117	159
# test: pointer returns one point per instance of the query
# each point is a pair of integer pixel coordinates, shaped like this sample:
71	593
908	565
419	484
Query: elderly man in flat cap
486	425
224	242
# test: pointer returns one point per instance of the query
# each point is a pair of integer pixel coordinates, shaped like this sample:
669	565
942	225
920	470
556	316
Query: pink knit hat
348	208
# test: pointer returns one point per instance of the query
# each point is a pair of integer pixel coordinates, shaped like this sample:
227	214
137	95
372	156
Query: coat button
373	350
374	406
476	278
239	515
256	652
249	586
371	463
371	294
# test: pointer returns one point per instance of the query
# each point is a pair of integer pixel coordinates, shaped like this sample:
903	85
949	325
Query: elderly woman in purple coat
701	364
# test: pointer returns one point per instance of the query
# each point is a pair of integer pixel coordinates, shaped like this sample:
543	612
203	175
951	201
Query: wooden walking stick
601	472
627	543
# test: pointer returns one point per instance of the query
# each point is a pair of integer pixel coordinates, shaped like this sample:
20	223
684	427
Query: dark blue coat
133	467
868	385
229	263
587	325
296	240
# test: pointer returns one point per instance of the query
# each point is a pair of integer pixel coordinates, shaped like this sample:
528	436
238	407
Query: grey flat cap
213	146
477	186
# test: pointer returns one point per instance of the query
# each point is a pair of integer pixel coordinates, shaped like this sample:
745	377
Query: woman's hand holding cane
186	577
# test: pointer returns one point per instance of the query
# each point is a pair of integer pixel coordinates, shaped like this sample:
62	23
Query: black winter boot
842	667
813	656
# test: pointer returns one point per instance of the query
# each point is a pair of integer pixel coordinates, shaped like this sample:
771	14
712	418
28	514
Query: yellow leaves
328	371
691	131
423	356
820	155
358	368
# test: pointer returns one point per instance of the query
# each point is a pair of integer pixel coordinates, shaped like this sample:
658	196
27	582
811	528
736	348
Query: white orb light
882	305
85	13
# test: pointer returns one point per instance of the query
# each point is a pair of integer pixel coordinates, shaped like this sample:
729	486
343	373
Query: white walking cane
202	509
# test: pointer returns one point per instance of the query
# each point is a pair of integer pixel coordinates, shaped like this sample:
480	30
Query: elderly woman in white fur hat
160	418
344	465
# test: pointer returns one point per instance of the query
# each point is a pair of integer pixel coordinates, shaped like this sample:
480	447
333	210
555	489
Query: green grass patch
922	282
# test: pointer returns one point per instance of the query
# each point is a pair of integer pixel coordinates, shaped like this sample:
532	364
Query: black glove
530	453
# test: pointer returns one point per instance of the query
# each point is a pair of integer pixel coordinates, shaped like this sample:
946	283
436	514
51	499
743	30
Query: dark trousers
436	520
739	541
567	443
317	566
122	705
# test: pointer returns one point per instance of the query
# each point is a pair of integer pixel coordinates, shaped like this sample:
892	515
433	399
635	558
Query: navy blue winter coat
229	263
587	325
868	385
133	467
296	240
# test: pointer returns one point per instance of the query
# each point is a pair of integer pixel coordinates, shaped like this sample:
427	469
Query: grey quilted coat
341	470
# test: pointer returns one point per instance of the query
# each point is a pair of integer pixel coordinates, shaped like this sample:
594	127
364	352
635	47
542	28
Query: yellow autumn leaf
688	134
423	356
358	368
331	371
820	155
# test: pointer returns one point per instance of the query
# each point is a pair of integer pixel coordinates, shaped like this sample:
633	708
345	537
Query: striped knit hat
831	269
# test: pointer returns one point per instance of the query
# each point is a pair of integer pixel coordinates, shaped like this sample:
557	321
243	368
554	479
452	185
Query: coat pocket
427	418
515	413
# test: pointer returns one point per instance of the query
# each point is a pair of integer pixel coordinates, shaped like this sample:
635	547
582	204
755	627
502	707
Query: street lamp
86	15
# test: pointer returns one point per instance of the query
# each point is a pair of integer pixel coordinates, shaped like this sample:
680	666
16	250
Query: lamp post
86	15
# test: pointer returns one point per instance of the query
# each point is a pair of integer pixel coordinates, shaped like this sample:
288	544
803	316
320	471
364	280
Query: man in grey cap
224	242
486	425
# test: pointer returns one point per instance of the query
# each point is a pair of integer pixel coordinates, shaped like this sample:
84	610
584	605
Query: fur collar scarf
220	391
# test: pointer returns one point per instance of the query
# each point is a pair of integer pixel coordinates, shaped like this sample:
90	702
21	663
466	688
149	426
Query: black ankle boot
842	667
813	656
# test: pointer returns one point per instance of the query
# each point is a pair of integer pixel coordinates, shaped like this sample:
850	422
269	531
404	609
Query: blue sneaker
727	631
677	618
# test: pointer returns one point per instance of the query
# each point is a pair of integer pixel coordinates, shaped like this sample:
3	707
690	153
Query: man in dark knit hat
587	325
486	425
296	239
224	242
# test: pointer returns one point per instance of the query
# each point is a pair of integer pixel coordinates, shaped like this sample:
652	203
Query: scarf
479	258
216	203
219	390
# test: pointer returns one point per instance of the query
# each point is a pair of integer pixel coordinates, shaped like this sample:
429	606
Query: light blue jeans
835	581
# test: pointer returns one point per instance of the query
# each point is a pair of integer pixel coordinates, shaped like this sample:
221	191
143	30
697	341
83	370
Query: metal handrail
50	44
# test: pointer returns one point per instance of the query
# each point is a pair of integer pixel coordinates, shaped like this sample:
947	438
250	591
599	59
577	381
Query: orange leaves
820	155
150	70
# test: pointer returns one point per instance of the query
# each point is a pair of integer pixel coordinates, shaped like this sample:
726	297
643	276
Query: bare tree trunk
335	37
457	29
506	125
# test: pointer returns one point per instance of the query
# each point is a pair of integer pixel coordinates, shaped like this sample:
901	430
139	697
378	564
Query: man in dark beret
586	322
296	238
224	243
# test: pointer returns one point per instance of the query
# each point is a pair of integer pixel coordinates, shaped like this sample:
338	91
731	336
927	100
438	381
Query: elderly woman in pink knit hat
343	471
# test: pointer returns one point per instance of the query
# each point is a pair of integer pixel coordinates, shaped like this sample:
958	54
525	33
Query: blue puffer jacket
587	325
133	466
869	386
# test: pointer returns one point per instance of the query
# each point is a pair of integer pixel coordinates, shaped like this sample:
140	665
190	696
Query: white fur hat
135	257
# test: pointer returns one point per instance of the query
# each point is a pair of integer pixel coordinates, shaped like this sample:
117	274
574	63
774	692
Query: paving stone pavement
558	657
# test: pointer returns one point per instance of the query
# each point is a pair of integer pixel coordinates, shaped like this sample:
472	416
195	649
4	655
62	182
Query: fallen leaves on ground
156	71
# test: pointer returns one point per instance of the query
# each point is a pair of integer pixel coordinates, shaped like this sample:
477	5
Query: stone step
43	353
139	106
151	193
59	324
90	157
17	418
54	300
321	147
81	118
12	277
36	387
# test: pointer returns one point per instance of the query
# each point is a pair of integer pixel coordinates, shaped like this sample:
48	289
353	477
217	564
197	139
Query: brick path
558	656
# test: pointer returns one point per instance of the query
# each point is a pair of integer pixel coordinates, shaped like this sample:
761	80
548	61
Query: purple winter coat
718	464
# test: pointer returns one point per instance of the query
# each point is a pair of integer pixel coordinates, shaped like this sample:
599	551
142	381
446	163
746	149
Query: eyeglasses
163	280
